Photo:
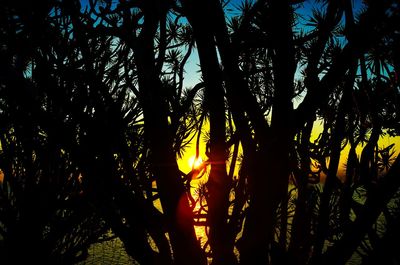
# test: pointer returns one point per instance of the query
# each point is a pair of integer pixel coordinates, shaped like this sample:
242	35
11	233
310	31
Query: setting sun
195	163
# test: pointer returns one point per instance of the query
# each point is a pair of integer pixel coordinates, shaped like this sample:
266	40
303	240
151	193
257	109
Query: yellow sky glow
188	158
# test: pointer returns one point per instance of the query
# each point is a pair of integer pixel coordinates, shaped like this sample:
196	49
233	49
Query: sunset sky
192	77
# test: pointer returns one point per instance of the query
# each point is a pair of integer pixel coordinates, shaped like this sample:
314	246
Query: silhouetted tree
95	113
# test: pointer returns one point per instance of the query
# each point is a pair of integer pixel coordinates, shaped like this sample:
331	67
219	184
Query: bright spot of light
195	163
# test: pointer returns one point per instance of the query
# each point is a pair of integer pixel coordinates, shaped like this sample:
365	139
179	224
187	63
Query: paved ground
108	252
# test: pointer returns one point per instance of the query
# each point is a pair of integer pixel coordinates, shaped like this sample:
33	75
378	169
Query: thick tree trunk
268	191
219	183
173	197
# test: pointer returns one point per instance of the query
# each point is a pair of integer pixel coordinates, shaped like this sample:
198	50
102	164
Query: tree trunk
219	183
173	197
269	190
338	135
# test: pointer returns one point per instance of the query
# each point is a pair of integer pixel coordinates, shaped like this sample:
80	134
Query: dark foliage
96	110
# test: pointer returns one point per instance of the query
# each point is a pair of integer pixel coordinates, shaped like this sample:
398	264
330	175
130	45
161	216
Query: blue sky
192	68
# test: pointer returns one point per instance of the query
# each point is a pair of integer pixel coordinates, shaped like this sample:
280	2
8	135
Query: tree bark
173	197
219	183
